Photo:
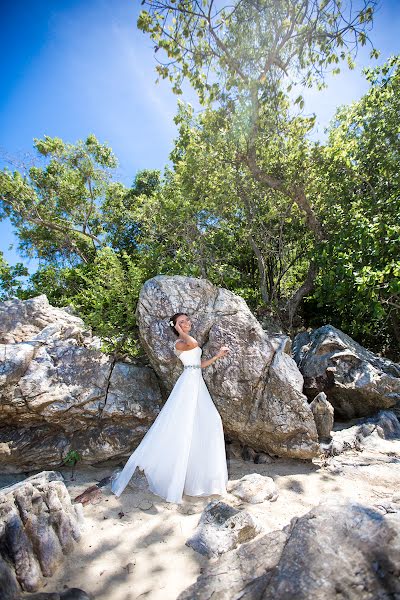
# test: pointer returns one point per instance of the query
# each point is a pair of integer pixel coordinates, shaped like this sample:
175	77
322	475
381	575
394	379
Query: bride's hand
223	351
178	328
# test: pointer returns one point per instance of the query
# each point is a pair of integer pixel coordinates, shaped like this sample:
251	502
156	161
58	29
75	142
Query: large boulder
257	387
38	526
340	549
59	392
357	382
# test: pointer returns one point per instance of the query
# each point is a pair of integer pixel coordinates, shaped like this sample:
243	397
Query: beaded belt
192	367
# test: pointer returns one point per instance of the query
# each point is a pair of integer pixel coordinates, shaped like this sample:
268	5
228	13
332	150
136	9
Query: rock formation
257	388
340	549
357	382
253	488
221	528
366	432
323	412
38	525
58	391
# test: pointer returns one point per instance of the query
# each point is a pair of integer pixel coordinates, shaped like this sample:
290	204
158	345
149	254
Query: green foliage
10	285
71	458
118	210
55	208
230	49
108	297
104	293
81	225
235	211
247	56
213	215
357	176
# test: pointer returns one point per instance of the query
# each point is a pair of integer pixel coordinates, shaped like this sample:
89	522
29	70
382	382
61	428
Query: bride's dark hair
174	319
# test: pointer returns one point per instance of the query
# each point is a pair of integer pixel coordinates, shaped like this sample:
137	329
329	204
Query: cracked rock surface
356	381
59	391
368	432
38	526
340	549
254	488
221	528
257	387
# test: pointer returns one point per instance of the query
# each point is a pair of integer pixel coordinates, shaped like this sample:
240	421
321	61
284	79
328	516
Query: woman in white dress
183	452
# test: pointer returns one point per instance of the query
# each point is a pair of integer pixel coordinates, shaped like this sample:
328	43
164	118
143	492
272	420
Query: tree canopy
247	56
305	232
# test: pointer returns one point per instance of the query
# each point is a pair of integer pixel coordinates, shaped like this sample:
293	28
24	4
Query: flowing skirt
183	452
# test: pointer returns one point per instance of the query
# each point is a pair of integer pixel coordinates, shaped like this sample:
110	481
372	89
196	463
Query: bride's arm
209	361
223	351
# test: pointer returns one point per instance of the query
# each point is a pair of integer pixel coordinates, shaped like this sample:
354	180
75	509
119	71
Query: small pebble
145	505
130	567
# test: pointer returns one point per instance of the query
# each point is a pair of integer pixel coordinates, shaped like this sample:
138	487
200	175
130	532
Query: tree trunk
396	326
307	287
261	269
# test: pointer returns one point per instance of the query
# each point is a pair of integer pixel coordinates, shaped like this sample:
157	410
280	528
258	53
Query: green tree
247	56
107	297
119	209
80	223
104	293
55	208
10	284
357	179
239	234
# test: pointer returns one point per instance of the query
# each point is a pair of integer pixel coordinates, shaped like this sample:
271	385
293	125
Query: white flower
171	323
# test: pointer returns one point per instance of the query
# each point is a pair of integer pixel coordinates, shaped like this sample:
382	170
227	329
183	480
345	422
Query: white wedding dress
183	452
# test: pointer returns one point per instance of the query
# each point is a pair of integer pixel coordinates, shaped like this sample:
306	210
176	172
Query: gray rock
263	458
323	415
58	392
234	450
38	525
74	594
222	528
254	488
357	382
42	596
340	549
9	588
257	387
248	454
366	432
68	594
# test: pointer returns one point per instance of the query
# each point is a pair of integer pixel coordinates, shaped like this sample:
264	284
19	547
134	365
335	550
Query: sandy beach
134	546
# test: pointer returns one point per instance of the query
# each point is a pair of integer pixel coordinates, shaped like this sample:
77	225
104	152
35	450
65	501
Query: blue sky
70	68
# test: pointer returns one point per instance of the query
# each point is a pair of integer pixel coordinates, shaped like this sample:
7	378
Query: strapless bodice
190	357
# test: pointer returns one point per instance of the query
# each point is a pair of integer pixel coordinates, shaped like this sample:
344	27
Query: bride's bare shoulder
181	345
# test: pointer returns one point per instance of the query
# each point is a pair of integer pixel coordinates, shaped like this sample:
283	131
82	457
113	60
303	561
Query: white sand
152	533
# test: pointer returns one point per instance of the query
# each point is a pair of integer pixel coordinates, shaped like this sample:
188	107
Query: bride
183	452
